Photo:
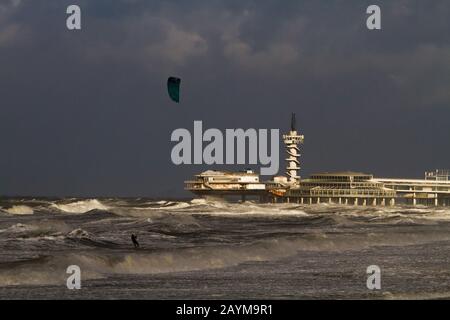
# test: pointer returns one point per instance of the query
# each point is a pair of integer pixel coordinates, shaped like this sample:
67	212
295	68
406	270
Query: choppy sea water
212	250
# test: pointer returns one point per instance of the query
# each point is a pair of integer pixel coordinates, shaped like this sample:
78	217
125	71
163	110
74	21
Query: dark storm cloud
86	112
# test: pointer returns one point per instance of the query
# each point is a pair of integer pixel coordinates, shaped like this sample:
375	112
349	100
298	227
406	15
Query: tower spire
291	141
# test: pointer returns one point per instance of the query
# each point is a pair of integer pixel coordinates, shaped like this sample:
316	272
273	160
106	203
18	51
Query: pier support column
383	202
392	202
356	201
287	200
436	202
301	200
364	202
310	200
340	200
318	200
346	201
374	201
329	200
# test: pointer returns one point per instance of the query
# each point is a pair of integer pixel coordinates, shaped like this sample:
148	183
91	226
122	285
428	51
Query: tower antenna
293	122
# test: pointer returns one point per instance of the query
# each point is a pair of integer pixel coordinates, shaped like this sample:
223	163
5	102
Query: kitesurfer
134	240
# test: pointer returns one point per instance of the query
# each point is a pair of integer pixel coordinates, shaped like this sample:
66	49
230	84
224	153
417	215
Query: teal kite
173	87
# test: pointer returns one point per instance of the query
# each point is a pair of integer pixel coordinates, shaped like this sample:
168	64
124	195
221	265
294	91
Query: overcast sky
86	113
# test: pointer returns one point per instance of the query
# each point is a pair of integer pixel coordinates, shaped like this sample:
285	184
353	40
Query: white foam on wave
442	214
388	214
164	206
82	206
79	233
201	206
18	227
199	201
175	205
37	230
253	209
258	213
19	210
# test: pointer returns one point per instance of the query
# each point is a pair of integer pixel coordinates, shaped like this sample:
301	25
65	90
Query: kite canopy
173	87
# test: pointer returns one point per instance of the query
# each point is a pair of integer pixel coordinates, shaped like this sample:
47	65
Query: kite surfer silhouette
134	240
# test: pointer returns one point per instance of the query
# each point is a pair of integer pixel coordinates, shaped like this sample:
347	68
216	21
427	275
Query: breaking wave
157	208
19	210
82	206
48	230
79	233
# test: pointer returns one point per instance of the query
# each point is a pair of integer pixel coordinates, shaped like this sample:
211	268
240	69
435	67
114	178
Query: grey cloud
178	46
282	51
171	45
10	31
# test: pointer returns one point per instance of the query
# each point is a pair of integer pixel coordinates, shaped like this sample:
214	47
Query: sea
195	249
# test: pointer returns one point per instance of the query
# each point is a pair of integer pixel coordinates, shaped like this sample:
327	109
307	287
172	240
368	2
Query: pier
341	188
428	191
